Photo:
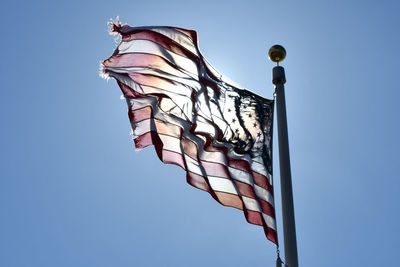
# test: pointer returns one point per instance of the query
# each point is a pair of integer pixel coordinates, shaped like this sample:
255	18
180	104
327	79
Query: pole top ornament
277	53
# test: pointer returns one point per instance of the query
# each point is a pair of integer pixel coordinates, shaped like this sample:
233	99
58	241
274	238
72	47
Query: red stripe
229	200
173	158
271	234
262	181
140	114
245	189
254	217
128	92
267	208
197	181
143	141
190	148
239	164
215	169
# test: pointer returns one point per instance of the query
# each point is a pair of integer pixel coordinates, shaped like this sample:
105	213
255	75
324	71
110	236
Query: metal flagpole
277	53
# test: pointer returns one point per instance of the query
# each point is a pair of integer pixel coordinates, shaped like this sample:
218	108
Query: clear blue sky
73	192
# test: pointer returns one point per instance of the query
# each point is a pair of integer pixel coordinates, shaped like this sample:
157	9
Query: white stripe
251	204
264	194
271	223
171	143
142	102
241	176
222	185
193	166
258	167
142	127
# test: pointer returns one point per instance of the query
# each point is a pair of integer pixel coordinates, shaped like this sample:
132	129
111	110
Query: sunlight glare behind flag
220	133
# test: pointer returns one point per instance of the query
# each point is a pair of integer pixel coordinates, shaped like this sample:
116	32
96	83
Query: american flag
217	131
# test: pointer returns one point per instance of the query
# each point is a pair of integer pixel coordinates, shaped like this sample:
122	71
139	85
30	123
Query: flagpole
277	53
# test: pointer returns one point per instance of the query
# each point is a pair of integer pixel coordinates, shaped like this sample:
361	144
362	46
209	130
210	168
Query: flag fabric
217	131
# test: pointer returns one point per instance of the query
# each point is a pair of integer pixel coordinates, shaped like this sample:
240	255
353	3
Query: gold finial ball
277	53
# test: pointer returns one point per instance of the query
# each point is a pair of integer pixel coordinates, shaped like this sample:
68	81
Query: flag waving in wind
220	133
